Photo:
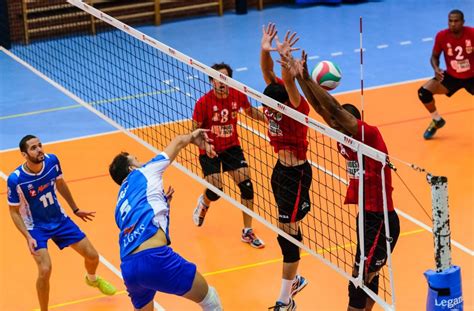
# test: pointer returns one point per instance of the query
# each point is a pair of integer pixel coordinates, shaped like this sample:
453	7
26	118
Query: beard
37	160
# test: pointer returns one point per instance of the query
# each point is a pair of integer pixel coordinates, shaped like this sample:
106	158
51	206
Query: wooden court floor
246	278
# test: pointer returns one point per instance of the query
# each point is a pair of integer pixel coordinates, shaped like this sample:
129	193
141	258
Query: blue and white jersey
36	195
142	207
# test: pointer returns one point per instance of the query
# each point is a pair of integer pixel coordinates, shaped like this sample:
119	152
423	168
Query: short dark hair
119	168
352	110
220	66
23	142
458	12
277	92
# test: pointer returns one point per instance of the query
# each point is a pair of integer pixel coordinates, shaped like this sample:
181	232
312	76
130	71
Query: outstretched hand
199	138
269	33
296	67
85	215
286	47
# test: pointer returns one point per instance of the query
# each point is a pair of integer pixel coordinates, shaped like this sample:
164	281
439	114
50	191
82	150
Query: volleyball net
149	91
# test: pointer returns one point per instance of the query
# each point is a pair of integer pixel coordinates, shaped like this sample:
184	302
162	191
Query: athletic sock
285	290
91	277
247	230
435	115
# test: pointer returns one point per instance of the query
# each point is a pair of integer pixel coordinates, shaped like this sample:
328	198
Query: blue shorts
156	269
65	234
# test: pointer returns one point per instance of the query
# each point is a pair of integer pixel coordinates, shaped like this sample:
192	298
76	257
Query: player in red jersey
347	119
217	110
292	174
456	43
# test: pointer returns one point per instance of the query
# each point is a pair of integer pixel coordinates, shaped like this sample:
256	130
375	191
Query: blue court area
398	38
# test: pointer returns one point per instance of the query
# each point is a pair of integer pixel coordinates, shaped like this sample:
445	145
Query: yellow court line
237	268
59	305
97	102
39	112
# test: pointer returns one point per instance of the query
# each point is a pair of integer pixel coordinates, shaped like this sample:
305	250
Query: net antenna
148	90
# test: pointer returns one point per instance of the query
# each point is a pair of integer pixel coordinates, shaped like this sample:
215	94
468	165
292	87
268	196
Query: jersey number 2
47	199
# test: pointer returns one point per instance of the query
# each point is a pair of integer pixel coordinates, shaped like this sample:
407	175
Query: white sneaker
200	212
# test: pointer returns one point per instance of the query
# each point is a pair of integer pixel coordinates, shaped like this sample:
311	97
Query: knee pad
246	189
211	302
212	196
357	297
290	251
425	96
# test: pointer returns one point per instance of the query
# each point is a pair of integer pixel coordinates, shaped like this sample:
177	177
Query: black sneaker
434	126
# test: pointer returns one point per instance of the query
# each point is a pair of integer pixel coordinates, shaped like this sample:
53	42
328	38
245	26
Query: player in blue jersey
36	212
142	215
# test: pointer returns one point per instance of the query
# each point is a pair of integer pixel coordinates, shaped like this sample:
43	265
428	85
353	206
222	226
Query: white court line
3	175
358	50
336	54
382	46
426	39
241	69
428	228
313	57
405	42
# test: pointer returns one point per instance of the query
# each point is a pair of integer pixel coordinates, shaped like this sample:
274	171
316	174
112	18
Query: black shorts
375	239
454	84
290	187
230	159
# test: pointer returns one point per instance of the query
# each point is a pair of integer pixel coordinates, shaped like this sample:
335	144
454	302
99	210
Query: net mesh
152	94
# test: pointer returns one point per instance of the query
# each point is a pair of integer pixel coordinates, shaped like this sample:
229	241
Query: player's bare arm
18	221
334	110
298	68
285	48
63	189
197	137
266	61
434	60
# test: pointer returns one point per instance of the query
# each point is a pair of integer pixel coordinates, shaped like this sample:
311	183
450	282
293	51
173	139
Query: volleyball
327	75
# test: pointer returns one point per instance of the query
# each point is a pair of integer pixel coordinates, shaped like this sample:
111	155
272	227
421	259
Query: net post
444	284
441	229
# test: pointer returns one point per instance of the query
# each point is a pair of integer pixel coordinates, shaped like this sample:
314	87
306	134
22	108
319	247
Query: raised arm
266	61
322	102
285	48
197	137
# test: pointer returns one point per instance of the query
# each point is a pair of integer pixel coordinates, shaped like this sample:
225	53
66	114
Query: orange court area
247	278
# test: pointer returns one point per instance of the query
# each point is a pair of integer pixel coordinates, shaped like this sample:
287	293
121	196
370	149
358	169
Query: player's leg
468	85
211	168
161	269
203	294
69	234
290	187
43	262
448	86
234	163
